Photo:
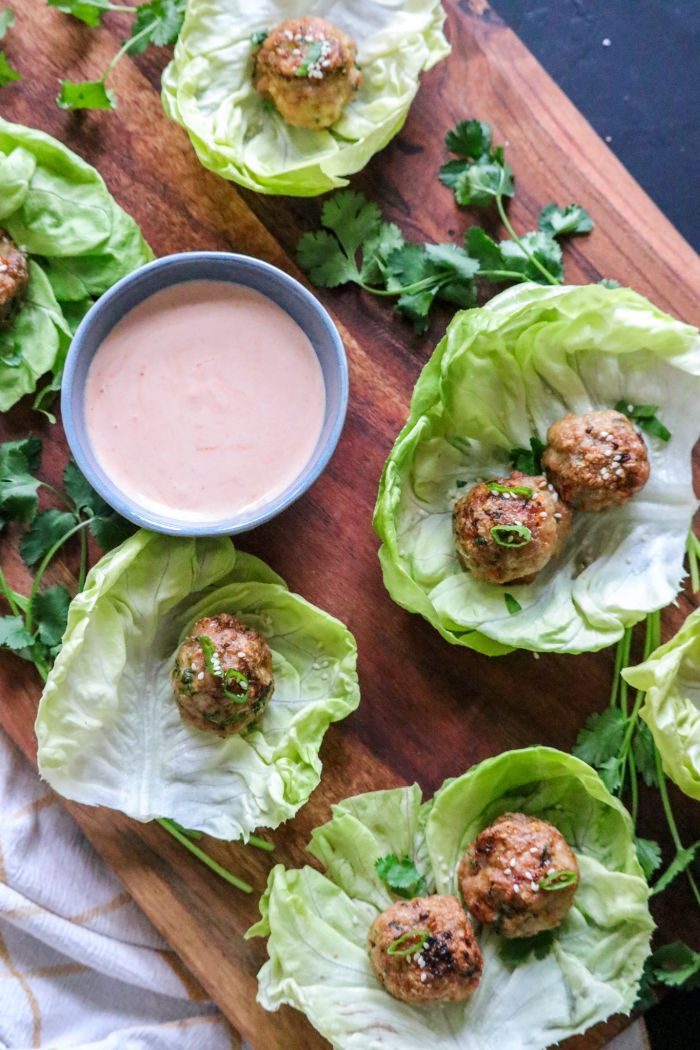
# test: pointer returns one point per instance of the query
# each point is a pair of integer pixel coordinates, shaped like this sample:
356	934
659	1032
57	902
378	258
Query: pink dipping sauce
205	400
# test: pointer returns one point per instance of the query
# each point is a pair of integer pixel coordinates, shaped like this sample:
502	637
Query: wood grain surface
428	710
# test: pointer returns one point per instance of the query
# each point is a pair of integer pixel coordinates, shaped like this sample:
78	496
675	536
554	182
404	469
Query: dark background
641	92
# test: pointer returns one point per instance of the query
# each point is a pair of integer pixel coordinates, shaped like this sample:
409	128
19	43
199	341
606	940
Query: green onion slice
558	880
517	490
512	604
511	535
417	939
313	53
213	664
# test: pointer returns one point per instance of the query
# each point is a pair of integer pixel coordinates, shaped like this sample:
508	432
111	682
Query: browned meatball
596	461
14	278
306	66
223	675
424	950
519	876
508	529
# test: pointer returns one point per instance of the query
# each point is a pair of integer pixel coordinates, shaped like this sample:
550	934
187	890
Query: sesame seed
533	849
630	408
200	676
424	977
506	871
557	515
619	473
516	888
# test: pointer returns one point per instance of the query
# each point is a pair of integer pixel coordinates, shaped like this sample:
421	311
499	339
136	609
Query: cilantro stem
535	261
226	875
622	651
125	48
60	496
261	843
692	546
83	561
409	289
511	275
46	561
9	594
670	819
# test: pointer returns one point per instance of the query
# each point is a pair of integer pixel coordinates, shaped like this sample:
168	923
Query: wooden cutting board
428	710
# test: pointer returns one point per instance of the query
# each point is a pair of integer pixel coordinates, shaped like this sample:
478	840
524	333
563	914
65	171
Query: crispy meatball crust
542	512
447	967
306	67
499	876
202	695
596	461
14	278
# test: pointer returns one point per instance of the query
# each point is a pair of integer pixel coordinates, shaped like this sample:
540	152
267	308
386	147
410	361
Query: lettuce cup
240	125
671	708
490	411
192	684
533	991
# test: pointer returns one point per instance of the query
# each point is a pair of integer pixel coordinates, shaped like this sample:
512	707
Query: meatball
223	675
307	68
14	278
519	876
507	530
424	950
597	460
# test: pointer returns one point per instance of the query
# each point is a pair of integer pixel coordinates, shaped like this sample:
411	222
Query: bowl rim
76	435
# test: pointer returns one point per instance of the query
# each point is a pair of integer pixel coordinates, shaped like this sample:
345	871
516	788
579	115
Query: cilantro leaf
610	773
18	488
470	138
88	11
609	282
108	528
158	22
13	634
528	461
449	258
563	222
682	860
648	855
407	266
676	965
416	307
86	94
450	172
50	609
645	417
518	950
538	244
482	182
376	249
322	258
401	876
46	529
601	738
351	217
483	248
645	754
7	20
8	73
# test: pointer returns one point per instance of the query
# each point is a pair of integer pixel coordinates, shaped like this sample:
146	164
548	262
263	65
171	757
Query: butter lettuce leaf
79	241
109	729
208	89
671	708
317	923
500	376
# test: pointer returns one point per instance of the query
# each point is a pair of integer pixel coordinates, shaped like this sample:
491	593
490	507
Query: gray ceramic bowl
303	307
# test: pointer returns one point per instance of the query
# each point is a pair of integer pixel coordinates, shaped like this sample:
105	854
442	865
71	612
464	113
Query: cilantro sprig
401	876
620	746
356	245
33	624
156	23
8	73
